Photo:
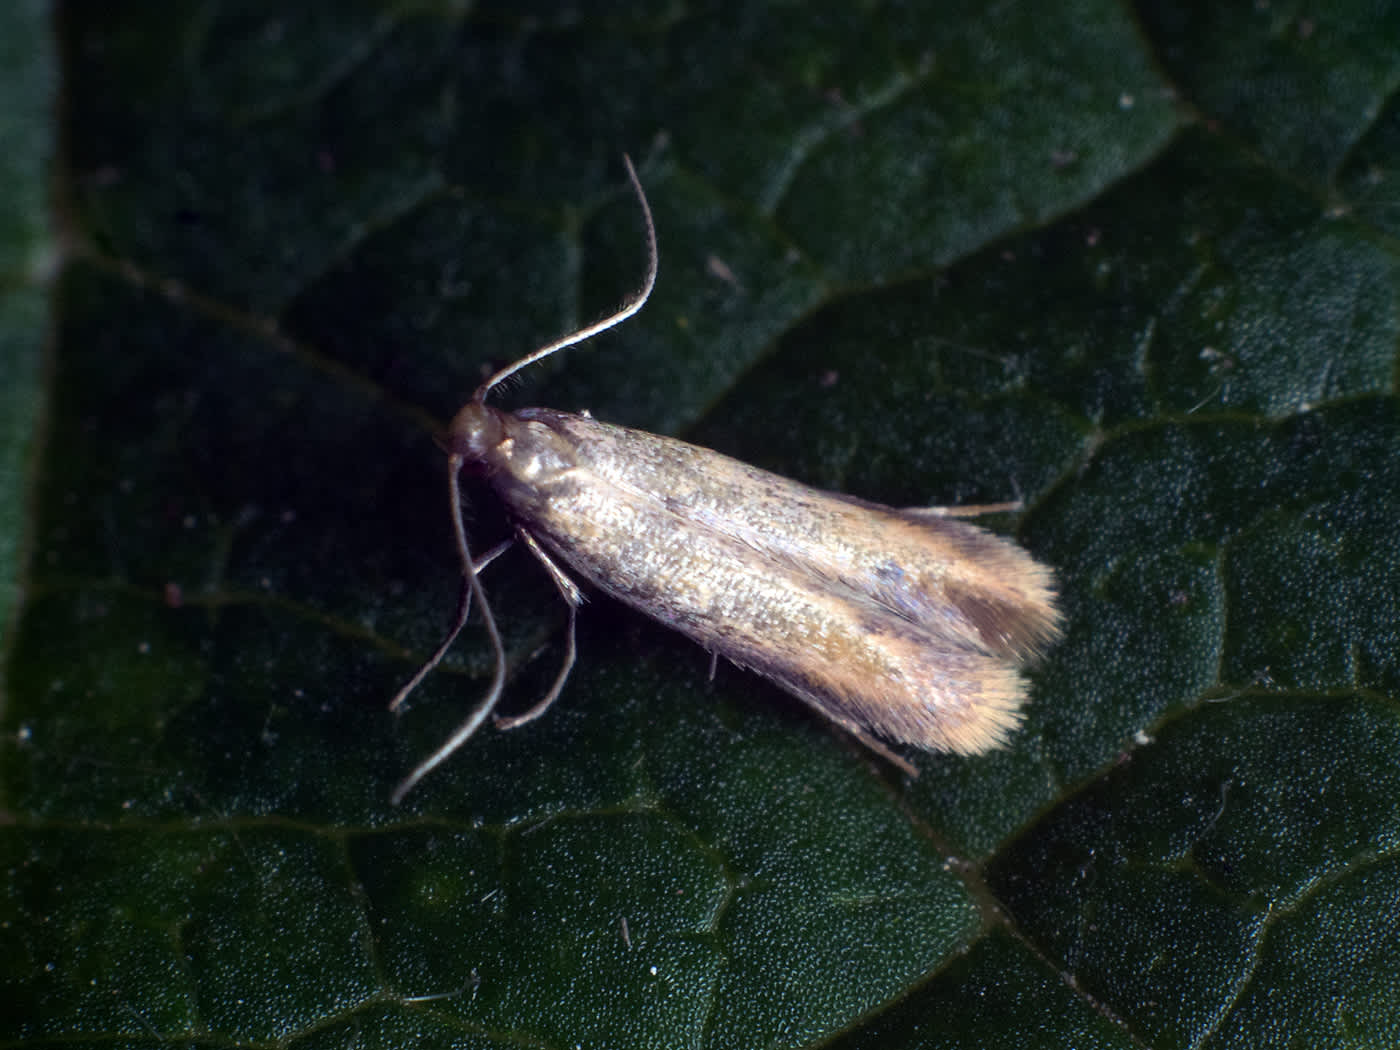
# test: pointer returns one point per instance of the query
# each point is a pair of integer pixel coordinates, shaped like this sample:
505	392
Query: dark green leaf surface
27	72
1136	268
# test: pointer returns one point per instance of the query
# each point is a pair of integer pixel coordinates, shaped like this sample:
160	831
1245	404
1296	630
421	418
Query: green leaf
1136	269
26	258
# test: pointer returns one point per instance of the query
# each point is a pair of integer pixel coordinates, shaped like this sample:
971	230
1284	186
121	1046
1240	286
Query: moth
903	625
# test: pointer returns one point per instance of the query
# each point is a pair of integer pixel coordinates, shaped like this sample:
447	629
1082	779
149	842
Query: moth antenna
483	710
627	310
488	703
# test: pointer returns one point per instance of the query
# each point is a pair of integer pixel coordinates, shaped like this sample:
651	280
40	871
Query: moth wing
948	699
1004	599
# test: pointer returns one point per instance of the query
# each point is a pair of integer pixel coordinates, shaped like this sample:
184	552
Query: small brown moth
900	623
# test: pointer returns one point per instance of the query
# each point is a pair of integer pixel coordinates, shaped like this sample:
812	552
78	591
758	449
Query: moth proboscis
902	624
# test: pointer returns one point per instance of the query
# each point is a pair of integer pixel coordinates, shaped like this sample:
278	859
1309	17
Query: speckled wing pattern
905	623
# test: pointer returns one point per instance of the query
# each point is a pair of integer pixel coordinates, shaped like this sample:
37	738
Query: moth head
474	432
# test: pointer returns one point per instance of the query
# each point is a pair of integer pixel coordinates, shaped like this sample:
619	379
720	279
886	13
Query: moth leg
464	606
473	721
893	758
851	726
573	599
970	510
